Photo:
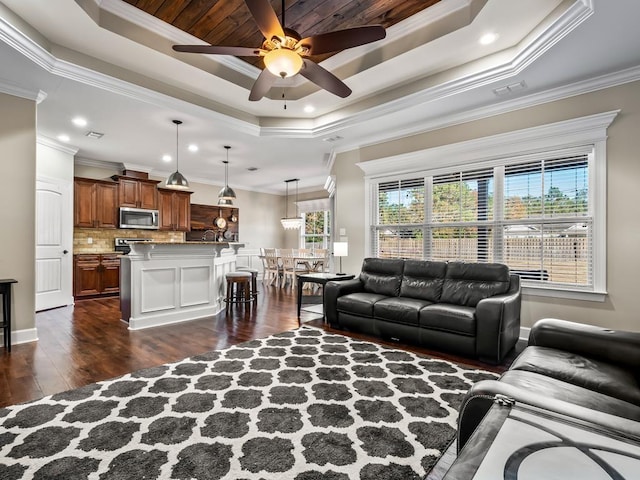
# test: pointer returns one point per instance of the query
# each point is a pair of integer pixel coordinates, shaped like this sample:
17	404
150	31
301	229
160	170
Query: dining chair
272	268
290	266
321	265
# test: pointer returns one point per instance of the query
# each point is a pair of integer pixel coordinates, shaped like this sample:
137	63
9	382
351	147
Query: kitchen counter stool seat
254	281
238	288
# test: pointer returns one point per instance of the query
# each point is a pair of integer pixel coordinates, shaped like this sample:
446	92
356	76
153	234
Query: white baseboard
22	336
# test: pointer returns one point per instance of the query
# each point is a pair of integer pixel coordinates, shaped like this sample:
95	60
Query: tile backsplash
103	238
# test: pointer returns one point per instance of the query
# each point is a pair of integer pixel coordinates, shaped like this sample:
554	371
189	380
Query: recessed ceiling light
63	138
79	122
166	158
488	38
193	147
309	108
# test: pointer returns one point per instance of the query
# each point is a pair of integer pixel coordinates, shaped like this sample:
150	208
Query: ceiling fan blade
219	50
265	18
262	85
342	39
324	78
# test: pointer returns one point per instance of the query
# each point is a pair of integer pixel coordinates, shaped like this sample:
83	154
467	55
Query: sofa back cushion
468	283
423	279
382	275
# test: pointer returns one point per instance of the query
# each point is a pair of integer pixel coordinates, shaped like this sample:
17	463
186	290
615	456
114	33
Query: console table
5	291
320	278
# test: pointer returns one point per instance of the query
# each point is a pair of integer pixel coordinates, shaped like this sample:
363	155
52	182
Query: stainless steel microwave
139	218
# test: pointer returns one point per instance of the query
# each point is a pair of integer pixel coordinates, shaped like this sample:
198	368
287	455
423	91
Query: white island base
163	283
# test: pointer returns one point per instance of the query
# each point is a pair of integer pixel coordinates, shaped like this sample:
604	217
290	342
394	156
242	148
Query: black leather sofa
579	370
471	309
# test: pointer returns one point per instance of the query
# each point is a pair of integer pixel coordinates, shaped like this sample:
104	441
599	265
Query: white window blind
540	225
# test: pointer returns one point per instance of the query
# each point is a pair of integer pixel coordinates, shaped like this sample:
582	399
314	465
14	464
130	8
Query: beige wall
17	234
620	310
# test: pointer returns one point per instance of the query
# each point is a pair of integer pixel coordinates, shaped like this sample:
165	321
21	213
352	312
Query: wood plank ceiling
229	23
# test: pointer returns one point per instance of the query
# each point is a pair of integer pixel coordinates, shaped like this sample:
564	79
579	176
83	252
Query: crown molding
567	91
563	134
51	143
91	162
11	88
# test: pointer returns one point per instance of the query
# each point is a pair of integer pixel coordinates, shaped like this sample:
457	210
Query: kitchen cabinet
96	275
138	193
95	203
175	210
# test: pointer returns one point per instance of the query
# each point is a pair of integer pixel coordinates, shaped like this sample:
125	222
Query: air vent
332	139
508	89
93	134
252	169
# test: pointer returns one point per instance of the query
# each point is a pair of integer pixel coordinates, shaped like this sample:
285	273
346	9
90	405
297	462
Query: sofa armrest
481	396
333	290
498	323
615	346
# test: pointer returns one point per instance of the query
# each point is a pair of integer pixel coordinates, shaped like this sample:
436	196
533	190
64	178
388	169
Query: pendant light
290	223
226	195
176	180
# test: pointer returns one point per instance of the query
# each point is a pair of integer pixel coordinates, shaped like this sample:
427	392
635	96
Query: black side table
320	279
5	291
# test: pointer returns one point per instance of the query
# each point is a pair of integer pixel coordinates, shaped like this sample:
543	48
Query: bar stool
238	288
5	291
254	281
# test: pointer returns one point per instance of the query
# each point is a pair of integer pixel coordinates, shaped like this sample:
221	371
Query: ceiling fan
285	52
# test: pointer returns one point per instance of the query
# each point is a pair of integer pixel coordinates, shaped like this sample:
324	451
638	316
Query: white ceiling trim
11	88
578	88
563	134
49	142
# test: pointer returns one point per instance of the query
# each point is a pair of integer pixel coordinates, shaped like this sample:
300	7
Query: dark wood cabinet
95	275
175	210
95	203
138	193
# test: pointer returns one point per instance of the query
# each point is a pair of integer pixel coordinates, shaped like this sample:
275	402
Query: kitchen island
166	282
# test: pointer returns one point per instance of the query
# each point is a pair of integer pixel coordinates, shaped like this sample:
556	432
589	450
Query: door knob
65	251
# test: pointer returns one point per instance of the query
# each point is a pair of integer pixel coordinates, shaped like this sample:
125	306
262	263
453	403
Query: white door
54	242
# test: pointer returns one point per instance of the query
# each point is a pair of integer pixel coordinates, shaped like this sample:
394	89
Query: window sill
568	294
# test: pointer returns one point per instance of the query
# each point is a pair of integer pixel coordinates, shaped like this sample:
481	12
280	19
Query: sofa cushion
567	392
360	303
449	318
423	279
468	283
399	309
382	276
595	375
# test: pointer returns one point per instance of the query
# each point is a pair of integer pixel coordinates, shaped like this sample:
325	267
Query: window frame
494	152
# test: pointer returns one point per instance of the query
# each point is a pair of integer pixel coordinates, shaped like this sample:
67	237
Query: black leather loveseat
582	371
471	309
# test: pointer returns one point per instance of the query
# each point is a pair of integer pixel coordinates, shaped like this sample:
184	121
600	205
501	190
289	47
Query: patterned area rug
303	405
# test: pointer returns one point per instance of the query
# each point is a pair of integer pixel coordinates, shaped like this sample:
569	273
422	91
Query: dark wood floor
88	342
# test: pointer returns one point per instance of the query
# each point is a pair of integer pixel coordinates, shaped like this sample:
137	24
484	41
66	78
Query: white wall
620	310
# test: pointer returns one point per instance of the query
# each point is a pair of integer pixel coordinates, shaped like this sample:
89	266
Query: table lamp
340	249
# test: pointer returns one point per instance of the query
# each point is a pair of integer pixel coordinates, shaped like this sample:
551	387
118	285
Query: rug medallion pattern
303	405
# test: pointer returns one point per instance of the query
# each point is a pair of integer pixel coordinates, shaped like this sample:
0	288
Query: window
315	233
533	199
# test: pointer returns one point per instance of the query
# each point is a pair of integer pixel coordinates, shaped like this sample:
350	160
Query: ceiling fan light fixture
283	62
